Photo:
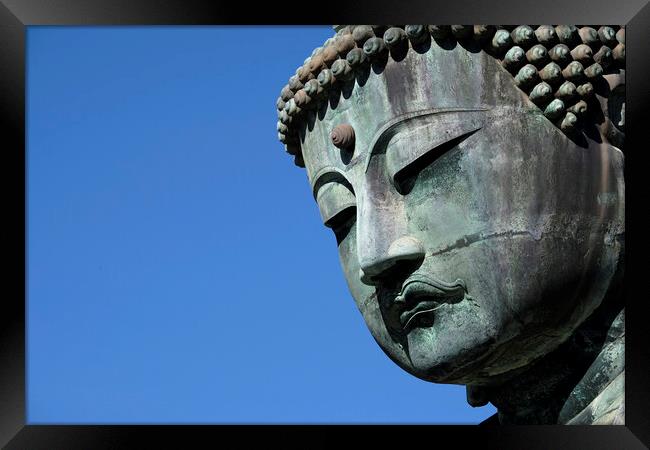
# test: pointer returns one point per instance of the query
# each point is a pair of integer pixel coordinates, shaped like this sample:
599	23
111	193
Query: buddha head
472	180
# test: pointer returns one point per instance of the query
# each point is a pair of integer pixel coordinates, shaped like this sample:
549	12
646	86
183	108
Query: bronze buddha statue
473	179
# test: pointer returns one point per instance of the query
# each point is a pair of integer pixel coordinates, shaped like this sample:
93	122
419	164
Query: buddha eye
338	208
343	223
405	177
418	142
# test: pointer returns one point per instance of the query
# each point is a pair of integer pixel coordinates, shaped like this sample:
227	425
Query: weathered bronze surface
473	179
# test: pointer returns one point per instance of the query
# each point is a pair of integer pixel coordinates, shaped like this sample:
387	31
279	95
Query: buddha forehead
428	85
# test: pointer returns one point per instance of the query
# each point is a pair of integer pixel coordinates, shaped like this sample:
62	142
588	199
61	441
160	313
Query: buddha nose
401	252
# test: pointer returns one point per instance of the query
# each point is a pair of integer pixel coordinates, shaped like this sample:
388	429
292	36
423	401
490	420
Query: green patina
456	178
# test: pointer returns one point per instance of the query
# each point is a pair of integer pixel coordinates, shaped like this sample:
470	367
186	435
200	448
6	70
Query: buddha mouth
422	295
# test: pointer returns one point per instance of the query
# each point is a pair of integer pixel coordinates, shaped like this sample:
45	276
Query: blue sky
178	271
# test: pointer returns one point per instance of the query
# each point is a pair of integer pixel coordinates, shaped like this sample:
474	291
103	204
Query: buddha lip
421	295
421	308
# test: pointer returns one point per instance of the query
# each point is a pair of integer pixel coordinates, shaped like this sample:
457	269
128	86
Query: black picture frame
16	15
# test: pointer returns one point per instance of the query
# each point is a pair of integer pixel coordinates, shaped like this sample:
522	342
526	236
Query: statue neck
581	382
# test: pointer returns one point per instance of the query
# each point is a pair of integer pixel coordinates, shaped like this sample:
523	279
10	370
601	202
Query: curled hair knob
343	136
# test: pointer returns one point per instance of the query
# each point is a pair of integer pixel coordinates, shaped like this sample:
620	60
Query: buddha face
473	234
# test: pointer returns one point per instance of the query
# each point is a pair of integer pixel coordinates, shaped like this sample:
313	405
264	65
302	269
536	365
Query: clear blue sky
178	271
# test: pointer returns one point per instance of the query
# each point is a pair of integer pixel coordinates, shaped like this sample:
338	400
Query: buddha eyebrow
327	175
393	126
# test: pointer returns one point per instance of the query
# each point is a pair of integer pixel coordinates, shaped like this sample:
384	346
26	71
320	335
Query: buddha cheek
365	298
